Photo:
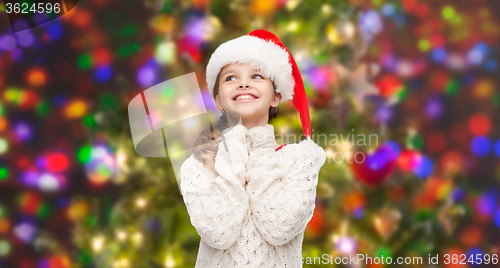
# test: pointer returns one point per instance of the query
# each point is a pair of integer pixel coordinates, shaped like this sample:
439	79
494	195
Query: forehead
239	66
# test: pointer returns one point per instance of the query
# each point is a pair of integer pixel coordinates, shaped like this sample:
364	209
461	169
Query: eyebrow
228	71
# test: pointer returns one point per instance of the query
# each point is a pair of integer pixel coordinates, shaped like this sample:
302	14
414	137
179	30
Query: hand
261	137
238	133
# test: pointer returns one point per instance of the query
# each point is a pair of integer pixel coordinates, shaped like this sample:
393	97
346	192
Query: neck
252	122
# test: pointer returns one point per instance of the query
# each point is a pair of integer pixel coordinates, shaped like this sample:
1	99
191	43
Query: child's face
244	79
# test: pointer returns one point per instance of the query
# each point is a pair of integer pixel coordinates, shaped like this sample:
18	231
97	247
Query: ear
218	102
276	100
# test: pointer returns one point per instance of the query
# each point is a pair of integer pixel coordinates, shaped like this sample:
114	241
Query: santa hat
265	51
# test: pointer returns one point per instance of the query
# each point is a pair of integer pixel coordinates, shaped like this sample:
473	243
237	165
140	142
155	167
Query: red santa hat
265	51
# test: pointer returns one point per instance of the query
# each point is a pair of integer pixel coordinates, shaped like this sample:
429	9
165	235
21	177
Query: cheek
224	93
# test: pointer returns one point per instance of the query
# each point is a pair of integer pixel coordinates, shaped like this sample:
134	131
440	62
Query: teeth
241	97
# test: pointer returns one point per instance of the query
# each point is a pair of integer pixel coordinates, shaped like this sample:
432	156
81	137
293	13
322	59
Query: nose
245	86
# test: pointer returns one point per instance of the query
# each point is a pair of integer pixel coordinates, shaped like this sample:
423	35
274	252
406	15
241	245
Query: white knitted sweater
252	210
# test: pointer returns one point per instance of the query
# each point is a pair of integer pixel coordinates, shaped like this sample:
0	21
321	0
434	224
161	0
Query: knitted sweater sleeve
282	187
217	204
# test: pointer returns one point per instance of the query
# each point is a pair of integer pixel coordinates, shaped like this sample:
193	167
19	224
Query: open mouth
245	98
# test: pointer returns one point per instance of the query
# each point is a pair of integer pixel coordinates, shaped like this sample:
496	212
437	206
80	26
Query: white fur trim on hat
264	55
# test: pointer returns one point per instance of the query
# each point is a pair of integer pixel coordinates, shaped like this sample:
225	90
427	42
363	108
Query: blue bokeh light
480	145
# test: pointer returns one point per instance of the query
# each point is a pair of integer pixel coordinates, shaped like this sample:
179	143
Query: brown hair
207	144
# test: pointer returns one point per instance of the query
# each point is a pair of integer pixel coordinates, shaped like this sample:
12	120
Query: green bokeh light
84	62
84	154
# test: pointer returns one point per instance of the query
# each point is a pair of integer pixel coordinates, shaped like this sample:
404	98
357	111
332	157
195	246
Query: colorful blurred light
77	210
30	178
3	212
103	73
84	62
371	22
102	165
202	29
55	262
4	172
165	53
29	202
457	194
424	45
480	145
497	148
54	31
384	114
25	38
50	182
496	218
23	131
163	23
387	60
345	245
409	160
3	124
57	162
4	225
434	107
101	56
456	62
483	88
479	124
394	147
147	75
84	154
17	54
7	42
389	85
75	109
424	168
319	77
388	9
36	77
476	55
487	203
358	212
448	12
414	141
28	99
25	231
439	55
4	248
353	201
380	158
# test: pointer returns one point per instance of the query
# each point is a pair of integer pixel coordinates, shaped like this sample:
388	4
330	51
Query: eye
258	75
229	77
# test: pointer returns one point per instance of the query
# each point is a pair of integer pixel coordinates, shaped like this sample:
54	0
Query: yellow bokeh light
76	109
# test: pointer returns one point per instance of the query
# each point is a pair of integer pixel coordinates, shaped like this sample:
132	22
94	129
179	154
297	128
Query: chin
245	114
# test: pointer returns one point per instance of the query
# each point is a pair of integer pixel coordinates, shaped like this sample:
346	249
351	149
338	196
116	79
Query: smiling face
247	91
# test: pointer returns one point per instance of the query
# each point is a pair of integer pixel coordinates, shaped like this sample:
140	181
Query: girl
250	203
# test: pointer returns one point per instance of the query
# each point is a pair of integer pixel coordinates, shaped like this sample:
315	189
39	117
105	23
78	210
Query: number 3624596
34	8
